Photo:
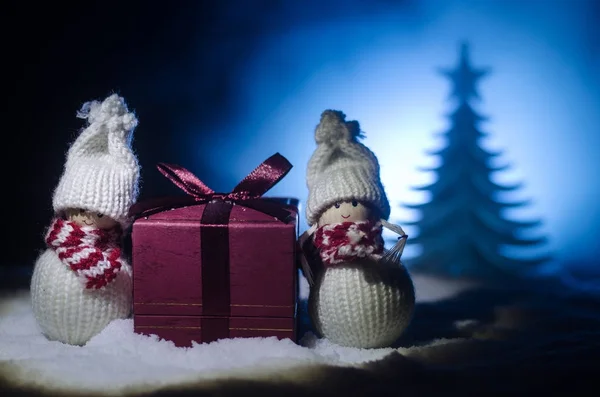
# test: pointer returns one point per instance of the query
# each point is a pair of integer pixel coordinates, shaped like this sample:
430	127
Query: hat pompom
333	129
102	112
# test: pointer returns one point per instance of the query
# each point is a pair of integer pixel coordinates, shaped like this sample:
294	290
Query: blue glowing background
542	99
218	88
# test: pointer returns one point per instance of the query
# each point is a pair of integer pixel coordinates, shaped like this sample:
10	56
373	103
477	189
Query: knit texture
101	175
92	253
338	243
342	169
68	312
362	304
360	298
101	172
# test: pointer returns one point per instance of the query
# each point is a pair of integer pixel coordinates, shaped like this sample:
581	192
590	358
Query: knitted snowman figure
360	296
81	282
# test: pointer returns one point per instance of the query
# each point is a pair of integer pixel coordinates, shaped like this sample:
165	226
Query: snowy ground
118	361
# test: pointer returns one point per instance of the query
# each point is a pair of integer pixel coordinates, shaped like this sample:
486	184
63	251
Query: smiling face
88	218
346	211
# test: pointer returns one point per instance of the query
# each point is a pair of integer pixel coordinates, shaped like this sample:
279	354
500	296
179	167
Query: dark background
218	86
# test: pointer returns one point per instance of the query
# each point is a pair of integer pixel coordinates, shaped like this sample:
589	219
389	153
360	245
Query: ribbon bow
247	193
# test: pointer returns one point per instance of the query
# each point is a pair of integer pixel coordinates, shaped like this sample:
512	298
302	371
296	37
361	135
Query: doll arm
304	265
306	235
395	253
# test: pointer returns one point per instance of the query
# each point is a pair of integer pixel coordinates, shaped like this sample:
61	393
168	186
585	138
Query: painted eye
354	203
99	215
337	205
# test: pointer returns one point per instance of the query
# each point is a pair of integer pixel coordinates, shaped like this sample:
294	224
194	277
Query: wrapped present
208	266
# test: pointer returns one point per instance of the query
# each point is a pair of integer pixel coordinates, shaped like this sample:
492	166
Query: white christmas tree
462	229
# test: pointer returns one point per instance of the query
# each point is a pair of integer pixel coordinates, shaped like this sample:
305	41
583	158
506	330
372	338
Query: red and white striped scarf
92	253
348	241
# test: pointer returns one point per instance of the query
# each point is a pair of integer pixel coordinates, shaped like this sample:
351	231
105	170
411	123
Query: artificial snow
118	359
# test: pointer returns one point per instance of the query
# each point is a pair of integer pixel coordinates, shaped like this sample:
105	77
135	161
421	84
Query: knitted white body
68	312
359	306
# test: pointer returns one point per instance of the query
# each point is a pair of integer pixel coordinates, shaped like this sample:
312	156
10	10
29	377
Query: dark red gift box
217	265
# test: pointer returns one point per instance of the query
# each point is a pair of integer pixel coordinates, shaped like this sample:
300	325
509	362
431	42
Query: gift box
210	266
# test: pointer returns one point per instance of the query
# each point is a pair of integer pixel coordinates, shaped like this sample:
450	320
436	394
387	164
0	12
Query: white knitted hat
101	173
342	169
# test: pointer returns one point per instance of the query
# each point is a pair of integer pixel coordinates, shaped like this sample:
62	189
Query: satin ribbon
247	193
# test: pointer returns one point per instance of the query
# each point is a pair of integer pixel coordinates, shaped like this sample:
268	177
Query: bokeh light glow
382	71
